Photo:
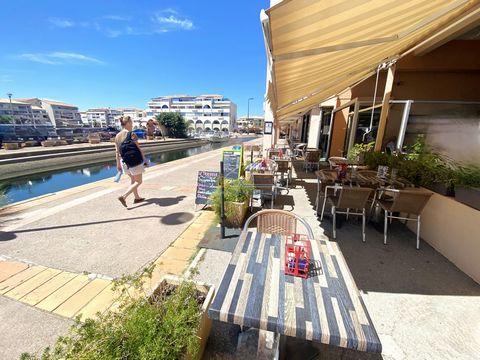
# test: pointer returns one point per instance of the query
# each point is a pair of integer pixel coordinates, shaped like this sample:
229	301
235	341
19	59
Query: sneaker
139	200
122	200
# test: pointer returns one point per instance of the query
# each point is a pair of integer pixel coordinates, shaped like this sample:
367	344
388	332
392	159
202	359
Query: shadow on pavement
169	201
176	218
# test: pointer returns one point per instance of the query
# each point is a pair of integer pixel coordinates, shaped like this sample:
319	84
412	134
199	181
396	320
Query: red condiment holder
297	255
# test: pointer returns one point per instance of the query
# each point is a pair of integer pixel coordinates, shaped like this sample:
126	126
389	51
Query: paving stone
186	242
48	288
99	303
17	279
32	283
82	297
171	266
178	253
59	296
9	268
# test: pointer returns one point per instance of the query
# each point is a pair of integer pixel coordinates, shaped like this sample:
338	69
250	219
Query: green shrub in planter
467	187
358	151
237	194
141	328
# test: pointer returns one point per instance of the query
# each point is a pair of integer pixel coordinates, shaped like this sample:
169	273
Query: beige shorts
136	170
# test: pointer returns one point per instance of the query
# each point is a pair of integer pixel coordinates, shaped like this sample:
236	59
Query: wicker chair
265	183
350	198
312	159
278	222
411	202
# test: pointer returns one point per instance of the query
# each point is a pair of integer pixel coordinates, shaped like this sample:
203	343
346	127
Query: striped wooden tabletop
325	307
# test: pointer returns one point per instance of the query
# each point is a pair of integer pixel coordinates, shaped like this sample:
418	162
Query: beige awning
321	47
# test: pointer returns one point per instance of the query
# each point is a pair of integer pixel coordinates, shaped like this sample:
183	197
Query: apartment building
60	114
138	116
101	117
40	116
202	113
250	122
19	111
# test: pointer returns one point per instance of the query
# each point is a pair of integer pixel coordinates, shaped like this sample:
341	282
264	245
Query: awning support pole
385	107
403	125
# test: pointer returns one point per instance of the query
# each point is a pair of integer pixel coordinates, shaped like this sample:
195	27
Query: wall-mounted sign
268	128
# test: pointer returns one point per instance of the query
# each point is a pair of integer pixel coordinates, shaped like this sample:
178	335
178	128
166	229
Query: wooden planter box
205	322
441	189
31	143
235	213
48	143
11	146
468	196
150	137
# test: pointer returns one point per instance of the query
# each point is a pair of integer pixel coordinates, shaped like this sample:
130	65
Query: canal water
45	183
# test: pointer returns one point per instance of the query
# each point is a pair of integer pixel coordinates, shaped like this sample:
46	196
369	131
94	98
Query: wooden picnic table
325	307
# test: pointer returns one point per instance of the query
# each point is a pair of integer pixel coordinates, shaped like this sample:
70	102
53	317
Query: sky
112	53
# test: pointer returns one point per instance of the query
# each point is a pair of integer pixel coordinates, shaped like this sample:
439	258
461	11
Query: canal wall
27	162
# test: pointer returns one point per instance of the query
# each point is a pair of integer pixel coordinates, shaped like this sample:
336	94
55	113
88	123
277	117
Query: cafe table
326	307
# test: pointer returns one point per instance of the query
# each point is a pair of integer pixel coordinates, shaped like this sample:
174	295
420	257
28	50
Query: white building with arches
202	113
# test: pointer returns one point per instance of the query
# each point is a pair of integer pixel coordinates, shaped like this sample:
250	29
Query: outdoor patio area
421	305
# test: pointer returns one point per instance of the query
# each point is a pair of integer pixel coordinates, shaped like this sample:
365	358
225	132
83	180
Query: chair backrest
273	153
335	160
301	146
282	166
278	222
353	197
312	156
410	201
263	181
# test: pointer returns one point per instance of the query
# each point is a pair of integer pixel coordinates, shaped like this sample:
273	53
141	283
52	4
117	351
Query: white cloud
5	79
61	23
58	58
116	17
174	22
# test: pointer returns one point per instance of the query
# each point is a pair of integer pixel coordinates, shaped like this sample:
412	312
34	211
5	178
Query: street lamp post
11	111
248	111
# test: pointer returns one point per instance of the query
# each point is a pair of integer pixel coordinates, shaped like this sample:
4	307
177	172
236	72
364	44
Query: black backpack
130	152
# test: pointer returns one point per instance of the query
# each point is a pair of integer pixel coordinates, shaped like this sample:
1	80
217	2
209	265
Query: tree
174	122
5	119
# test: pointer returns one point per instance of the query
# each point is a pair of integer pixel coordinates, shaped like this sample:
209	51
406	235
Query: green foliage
237	190
359	150
468	176
161	327
174	122
420	165
5	119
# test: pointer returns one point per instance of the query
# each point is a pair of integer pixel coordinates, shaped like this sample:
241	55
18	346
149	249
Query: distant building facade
59	113
138	117
101	117
202	113
24	113
245	123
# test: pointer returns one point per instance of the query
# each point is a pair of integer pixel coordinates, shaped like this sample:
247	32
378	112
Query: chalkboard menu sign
232	161
206	184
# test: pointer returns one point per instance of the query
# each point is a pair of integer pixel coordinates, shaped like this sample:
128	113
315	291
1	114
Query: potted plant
467	187
358	151
169	322
237	193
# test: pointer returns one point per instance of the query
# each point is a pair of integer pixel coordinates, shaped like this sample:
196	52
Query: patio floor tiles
17	279
32	283
81	298
60	295
99	303
9	268
40	293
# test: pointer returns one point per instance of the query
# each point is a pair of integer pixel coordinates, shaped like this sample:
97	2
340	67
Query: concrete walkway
58	253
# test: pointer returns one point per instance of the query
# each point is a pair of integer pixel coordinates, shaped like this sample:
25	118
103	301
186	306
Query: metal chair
411	202
265	183
335	160
283	167
299	150
273	153
312	159
278	222
350	198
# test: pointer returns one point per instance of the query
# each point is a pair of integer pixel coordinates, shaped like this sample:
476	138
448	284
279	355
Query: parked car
65	133
111	130
141	133
81	134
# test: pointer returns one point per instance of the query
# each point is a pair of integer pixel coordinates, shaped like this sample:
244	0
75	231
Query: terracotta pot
205	326
235	213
